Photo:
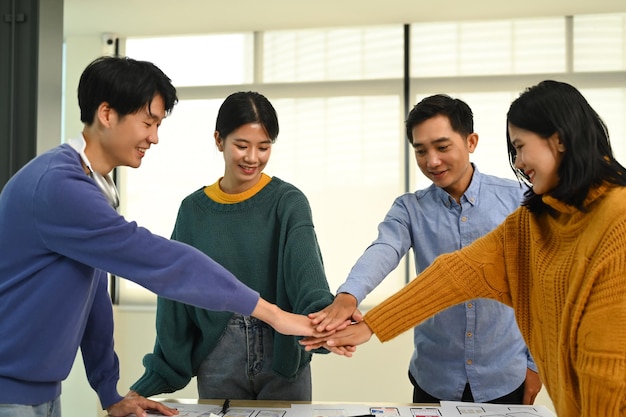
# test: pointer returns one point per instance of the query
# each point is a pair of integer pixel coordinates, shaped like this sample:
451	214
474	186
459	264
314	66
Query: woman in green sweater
260	228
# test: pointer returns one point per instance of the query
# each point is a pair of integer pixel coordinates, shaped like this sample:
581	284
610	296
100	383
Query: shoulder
429	192
612	204
288	197
493	180
500	190
284	189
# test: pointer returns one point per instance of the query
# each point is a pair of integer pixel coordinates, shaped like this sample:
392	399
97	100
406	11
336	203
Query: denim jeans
240	367
49	409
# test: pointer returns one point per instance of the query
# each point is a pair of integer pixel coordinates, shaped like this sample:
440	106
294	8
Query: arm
466	272
599	364
476	271
378	260
75	220
101	362
532	386
284	322
301	285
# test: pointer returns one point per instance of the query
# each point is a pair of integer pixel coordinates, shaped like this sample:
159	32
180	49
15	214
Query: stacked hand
345	324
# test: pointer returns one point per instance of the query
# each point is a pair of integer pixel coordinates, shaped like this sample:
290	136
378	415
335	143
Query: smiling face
114	141
246	153
538	158
443	154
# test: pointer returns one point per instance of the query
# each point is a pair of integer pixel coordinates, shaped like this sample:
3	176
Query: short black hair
126	84
457	111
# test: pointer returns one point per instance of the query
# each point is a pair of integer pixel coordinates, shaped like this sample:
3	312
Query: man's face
129	137
443	154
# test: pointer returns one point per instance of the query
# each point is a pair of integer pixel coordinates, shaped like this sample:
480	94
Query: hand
532	386
346	351
134	403
347	339
337	315
285	322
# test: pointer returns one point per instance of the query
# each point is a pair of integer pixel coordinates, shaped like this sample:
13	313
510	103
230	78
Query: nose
518	163
432	159
251	154
154	136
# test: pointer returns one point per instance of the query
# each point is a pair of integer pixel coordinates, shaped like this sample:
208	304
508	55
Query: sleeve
304	279
101	362
600	361
531	362
75	220
169	368
383	255
451	279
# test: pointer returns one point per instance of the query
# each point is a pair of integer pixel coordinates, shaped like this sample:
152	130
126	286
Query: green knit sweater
266	241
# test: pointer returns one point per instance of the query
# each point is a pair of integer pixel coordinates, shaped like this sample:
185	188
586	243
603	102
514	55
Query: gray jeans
240	367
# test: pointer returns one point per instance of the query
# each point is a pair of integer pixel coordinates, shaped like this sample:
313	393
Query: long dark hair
556	107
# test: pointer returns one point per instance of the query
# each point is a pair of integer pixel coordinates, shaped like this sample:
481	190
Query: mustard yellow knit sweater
565	276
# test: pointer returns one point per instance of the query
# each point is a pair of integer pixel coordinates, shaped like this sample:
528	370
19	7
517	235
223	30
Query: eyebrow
247	141
436	142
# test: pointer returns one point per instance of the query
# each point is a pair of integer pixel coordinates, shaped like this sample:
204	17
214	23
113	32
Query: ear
218	141
472	142
557	142
104	114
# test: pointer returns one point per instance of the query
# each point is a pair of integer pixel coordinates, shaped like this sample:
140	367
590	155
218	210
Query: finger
346	351
311	347
343	325
163	409
317	318
312	341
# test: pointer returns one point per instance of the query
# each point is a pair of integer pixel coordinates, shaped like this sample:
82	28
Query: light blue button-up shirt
476	342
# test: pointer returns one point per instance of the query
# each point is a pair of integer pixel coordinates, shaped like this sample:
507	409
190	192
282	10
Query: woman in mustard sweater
260	228
559	260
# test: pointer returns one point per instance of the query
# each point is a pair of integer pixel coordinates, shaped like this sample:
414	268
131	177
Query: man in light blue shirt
473	351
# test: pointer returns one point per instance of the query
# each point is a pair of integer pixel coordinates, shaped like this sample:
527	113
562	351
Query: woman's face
537	157
246	153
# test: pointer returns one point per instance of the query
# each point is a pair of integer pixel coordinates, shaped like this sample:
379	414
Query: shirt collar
469	196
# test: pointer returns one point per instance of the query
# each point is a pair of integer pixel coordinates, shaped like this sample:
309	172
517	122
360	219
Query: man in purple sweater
60	234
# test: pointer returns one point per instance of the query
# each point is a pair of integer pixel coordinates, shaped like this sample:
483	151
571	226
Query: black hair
246	107
458	113
126	84
555	107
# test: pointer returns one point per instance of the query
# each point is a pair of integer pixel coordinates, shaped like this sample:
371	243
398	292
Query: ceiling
168	17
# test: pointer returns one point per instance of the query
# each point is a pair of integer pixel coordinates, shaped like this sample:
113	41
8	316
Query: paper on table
455	408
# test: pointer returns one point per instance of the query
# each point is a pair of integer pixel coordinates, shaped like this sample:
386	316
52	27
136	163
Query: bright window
492	47
600	43
332	54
